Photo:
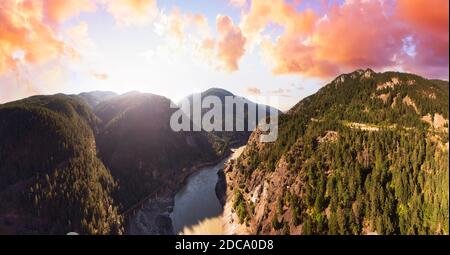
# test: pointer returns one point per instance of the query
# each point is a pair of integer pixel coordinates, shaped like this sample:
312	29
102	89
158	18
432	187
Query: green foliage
240	206
275	223
144	154
391	180
49	168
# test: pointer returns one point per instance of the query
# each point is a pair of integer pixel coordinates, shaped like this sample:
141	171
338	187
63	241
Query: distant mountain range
368	153
228	137
75	162
95	97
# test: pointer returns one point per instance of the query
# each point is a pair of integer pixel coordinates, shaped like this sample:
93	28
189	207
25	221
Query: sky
260	49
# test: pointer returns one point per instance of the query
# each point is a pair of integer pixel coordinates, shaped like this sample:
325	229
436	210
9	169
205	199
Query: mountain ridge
225	138
113	149
347	161
367	153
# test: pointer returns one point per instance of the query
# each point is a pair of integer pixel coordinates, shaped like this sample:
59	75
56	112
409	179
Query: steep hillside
368	153
51	180
137	143
93	98
226	138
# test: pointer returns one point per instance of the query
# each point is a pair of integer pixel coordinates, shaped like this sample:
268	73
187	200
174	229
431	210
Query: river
197	209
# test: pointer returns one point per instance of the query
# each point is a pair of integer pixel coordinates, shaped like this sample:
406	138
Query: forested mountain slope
93	98
368	153
137	143
75	163
223	138
51	180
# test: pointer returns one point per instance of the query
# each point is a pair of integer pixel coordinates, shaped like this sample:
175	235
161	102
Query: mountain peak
217	92
359	73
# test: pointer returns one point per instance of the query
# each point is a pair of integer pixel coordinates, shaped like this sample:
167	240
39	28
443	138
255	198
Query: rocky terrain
366	154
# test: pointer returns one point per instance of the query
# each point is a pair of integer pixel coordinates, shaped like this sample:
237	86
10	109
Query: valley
105	156
347	162
366	154
266	123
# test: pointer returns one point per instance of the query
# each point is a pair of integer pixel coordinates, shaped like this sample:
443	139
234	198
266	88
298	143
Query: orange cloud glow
431	15
315	39
24	35
34	54
178	24
59	11
263	12
231	43
238	3
253	91
427	21
412	35
99	76
132	12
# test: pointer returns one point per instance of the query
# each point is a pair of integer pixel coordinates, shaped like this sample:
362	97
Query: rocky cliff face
137	144
349	161
221	187
76	163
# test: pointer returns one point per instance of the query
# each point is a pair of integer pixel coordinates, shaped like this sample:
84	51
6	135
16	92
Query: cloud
231	43
208	43
125	12
176	25
427	23
279	12
59	11
238	3
355	34
79	41
132	12
180	25
26	80
31	27
99	76
253	91
24	33
229	46
35	55
409	35
279	91
263	13
430	15
297	86
326	46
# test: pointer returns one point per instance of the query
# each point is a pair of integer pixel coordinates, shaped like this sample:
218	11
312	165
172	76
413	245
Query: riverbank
212	225
151	216
230	221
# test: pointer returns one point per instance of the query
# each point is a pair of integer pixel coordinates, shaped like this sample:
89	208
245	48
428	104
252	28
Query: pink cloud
58	11
253	91
229	46
238	3
231	43
24	31
427	22
356	34
132	12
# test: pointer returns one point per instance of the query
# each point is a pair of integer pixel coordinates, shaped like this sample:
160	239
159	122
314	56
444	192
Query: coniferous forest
366	154
73	164
350	161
